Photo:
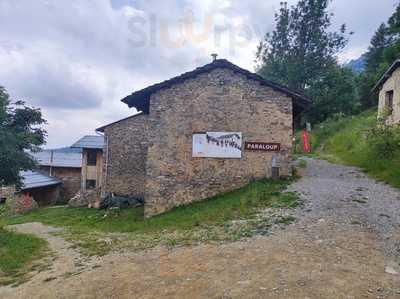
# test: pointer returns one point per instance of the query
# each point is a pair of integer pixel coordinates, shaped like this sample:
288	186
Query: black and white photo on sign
217	145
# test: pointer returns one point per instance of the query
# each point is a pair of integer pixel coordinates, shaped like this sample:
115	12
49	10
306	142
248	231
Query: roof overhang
33	179
386	75
101	129
90	142
141	99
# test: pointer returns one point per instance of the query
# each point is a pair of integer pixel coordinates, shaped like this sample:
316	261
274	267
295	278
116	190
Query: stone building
389	94
204	132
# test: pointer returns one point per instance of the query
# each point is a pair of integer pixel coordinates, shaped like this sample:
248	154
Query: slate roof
90	142
60	159
101	129
141	99
34	179
386	75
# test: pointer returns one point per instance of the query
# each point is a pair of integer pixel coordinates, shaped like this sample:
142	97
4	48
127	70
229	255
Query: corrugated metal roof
59	159
34	179
94	142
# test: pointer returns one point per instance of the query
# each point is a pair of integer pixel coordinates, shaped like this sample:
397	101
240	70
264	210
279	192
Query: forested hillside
302	52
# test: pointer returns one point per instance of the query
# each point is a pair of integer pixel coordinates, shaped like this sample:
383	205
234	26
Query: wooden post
84	169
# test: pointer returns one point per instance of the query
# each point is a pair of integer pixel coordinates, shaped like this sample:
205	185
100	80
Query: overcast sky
75	59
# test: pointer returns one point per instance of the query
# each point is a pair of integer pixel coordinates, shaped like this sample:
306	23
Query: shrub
383	140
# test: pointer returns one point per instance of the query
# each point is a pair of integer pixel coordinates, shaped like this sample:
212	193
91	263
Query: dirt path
63	260
346	196
340	247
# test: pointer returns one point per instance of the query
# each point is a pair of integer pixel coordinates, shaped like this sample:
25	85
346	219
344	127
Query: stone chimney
214	56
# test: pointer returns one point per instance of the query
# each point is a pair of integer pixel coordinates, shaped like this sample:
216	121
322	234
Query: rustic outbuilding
204	132
388	88
64	164
44	189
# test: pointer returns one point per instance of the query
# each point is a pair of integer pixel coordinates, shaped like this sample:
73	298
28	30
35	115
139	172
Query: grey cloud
49	86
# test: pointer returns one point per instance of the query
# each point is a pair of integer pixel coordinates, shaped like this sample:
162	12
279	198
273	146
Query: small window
90	184
389	102
91	158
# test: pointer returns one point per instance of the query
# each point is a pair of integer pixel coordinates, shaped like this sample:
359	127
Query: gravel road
345	195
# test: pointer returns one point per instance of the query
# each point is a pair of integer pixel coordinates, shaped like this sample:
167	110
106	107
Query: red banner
306	141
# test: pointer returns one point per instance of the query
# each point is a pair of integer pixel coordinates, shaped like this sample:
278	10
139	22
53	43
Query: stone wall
45	196
70	186
6	192
70	177
124	167
392	83
217	101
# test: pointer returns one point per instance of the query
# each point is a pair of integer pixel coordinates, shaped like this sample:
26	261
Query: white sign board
217	145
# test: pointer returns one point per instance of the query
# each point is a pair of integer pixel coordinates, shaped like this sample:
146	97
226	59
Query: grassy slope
96	232
231	205
343	140
17	251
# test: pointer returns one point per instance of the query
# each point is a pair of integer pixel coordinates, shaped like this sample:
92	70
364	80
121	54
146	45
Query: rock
391	270
301	283
21	203
384	215
106	241
360	200
88	198
78	200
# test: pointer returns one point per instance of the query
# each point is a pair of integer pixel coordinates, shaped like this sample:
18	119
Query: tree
335	94
274	52
301	53
394	22
20	131
374	55
364	84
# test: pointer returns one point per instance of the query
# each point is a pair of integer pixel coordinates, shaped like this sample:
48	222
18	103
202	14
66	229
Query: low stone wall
21	203
6	192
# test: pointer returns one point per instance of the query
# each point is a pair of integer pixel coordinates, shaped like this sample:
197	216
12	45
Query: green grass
201	221
17	251
217	210
343	140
